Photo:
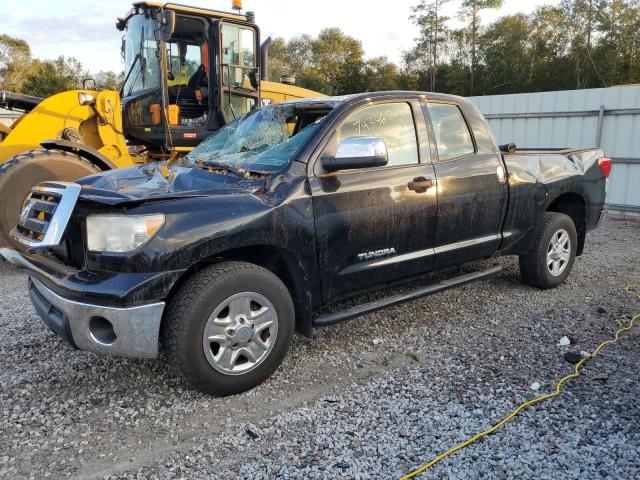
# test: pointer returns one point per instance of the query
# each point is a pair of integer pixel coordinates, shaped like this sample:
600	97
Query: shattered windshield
263	140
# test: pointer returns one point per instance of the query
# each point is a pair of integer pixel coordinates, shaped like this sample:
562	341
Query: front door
375	225
472	192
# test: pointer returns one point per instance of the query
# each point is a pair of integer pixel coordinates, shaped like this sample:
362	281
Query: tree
470	12
379	74
616	55
332	63
581	16
428	17
53	76
108	80
338	60
15	62
278	62
549	45
299	52
579	22
506	58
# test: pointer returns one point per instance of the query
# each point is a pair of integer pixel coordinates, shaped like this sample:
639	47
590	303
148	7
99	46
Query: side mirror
168	25
508	148
87	81
357	152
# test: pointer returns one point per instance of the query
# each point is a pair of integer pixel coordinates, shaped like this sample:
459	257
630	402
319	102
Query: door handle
420	184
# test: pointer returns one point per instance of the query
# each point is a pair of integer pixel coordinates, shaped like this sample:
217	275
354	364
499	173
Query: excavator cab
187	73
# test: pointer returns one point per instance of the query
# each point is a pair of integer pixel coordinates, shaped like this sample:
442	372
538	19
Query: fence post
600	126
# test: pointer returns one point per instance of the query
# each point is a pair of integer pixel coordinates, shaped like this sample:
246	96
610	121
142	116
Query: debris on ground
573	357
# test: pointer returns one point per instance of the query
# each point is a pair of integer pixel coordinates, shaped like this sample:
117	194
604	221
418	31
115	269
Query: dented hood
156	182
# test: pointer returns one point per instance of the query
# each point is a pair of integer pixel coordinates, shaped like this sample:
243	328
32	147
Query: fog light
102	331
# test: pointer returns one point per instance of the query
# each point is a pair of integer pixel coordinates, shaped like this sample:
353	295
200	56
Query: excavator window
238	70
141	59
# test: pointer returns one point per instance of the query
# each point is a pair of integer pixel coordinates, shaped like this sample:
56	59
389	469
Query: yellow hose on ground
576	373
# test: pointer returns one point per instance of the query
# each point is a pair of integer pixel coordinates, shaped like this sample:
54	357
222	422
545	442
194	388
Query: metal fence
605	117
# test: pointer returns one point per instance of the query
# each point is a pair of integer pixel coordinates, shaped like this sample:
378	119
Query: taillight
605	166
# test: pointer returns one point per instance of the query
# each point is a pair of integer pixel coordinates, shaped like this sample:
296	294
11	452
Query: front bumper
129	332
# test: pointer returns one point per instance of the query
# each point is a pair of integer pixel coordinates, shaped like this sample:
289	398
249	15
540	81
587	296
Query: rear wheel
19	174
549	262
228	328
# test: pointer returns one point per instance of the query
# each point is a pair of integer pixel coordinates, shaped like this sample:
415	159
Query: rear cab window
453	138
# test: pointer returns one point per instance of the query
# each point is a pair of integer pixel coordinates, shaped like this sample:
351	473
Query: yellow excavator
188	71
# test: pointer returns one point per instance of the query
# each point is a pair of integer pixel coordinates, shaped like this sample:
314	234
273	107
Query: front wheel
228	328
549	262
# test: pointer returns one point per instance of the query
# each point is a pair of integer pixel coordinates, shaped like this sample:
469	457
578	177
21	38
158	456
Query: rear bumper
110	330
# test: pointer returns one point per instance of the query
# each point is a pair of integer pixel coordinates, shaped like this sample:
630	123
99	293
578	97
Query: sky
85	29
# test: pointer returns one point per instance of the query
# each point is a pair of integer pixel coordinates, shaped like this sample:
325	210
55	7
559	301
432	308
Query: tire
547	266
191	313
21	173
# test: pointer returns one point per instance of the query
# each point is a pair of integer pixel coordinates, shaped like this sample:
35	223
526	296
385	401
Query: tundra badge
378	253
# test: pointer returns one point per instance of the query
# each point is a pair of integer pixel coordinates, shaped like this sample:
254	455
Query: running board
349	313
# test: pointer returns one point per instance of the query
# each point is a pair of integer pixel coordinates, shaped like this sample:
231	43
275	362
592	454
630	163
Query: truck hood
153	182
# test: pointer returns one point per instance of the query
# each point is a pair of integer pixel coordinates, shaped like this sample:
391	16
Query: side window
393	122
453	138
238	62
238	55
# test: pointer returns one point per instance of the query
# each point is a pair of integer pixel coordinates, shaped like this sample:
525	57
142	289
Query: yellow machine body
99	126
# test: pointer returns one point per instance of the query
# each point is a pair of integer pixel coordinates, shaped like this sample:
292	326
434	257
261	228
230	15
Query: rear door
371	226
472	191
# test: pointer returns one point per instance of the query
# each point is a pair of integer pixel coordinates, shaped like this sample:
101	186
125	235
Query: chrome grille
45	214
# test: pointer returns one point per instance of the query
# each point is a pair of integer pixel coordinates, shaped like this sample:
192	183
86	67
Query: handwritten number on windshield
373	122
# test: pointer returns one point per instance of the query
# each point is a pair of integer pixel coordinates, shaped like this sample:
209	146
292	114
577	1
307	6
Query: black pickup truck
216	258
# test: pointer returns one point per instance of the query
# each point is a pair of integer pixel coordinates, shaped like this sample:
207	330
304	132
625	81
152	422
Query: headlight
120	233
86	99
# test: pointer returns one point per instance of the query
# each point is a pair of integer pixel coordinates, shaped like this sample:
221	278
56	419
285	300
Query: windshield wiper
137	58
246	149
206	164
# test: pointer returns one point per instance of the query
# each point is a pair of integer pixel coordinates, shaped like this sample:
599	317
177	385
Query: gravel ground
371	398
